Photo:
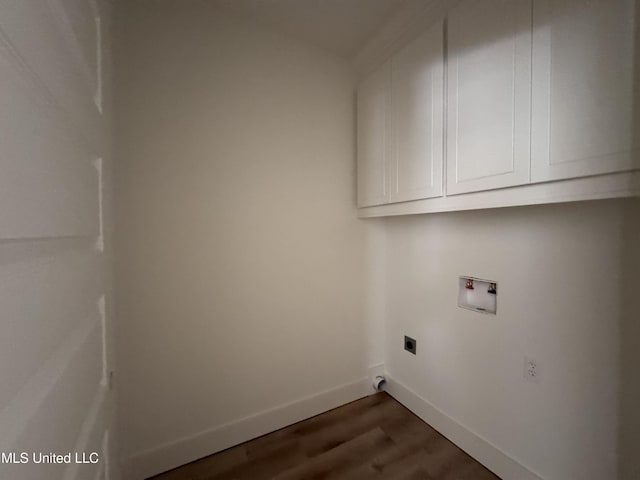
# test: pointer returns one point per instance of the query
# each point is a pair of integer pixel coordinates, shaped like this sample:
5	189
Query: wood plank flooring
375	437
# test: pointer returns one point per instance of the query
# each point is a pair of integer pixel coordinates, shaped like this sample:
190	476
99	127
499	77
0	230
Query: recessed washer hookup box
478	294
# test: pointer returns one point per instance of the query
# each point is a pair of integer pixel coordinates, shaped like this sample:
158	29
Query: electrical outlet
531	370
410	344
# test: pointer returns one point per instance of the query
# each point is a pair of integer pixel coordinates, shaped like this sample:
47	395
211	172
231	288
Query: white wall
629	380
558	270
55	237
240	257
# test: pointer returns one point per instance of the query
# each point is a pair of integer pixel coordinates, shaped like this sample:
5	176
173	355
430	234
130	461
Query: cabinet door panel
583	88
417	94
373	127
489	85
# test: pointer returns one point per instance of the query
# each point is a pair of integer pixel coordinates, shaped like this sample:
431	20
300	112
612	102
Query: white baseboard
479	448
185	450
188	449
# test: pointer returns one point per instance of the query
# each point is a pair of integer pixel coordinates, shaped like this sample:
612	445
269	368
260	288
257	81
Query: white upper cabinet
489	92
373	136
542	106
583	88
417	99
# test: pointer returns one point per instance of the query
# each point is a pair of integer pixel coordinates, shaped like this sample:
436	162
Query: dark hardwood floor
375	437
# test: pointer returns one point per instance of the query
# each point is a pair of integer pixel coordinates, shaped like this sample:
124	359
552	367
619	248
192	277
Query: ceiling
340	26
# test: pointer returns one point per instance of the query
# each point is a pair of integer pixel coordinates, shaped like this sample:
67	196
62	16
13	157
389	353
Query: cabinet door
489	92
417	95
373	136
583	88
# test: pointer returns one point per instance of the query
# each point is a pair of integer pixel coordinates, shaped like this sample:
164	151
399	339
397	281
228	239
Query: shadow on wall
629	382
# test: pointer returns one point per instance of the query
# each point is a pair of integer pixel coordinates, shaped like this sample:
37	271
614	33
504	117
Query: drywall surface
558	270
240	264
629	383
374	281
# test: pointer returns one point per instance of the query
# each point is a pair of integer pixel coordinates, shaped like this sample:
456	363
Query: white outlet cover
531	370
